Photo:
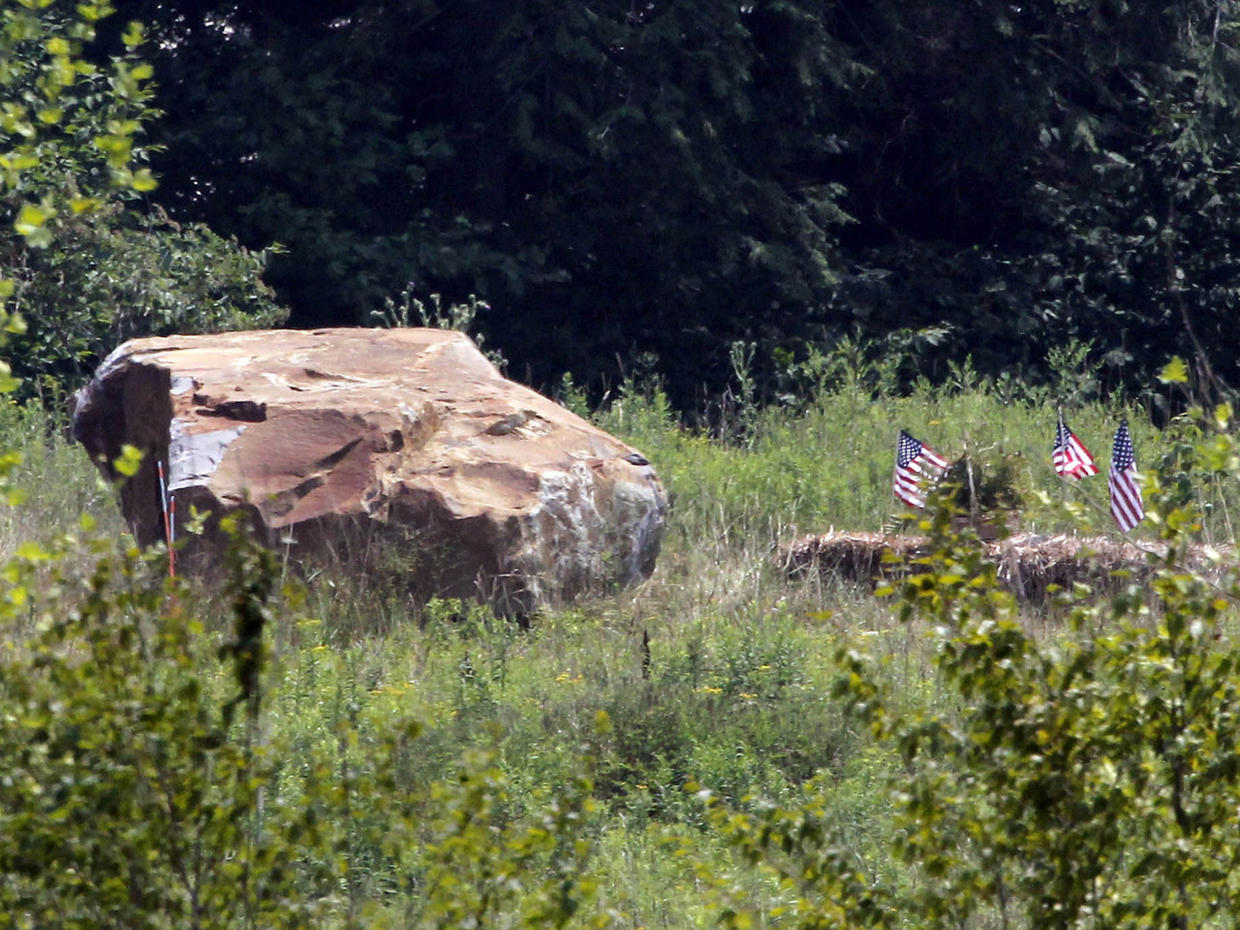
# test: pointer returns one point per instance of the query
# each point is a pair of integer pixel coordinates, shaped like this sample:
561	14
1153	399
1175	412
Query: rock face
386	449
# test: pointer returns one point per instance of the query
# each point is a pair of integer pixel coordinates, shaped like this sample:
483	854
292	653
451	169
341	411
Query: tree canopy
660	180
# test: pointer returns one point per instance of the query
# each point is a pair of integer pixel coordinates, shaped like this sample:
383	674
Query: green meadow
719	745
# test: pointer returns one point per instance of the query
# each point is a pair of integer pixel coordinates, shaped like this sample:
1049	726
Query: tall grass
831	464
717	671
56	482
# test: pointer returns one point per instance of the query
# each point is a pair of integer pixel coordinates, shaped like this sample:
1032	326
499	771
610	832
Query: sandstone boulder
386	449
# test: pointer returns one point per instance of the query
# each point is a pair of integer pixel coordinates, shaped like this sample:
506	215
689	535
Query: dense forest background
651	182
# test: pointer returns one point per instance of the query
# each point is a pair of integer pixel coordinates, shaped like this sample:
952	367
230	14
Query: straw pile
1030	565
859	557
1027	564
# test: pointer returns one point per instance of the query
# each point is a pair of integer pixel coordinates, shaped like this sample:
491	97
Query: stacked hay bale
1030	565
856	557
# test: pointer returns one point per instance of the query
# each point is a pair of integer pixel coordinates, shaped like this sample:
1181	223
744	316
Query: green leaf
134	35
144	181
8	384
30	551
29	219
18	161
1174	372
115	147
93	11
39	238
128	461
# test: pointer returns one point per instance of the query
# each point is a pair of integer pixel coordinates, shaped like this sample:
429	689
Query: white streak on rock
642	513
193	457
567	498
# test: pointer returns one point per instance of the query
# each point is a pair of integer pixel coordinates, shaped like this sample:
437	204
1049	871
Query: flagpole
163	506
172	536
1063	490
967	455
891	489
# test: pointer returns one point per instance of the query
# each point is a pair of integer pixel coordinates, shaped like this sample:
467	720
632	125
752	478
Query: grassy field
737	693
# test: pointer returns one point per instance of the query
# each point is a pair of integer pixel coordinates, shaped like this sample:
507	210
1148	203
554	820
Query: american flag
1070	457
915	462
1126	505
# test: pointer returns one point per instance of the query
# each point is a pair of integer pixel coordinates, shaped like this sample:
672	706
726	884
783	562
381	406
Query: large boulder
398	450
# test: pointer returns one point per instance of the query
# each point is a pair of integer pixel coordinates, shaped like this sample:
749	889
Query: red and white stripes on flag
1126	506
916	463
1070	457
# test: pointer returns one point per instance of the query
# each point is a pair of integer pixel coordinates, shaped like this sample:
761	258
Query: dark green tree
614	180
1028	173
670	178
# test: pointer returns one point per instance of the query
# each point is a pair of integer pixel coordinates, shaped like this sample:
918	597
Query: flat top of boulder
310	423
294	366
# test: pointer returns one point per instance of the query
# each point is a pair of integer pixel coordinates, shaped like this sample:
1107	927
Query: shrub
112	276
76	265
